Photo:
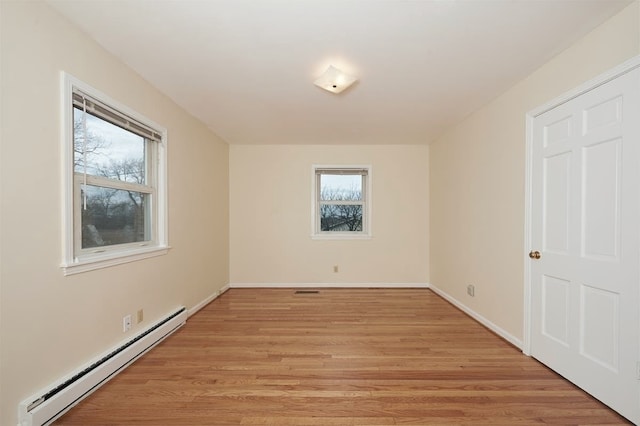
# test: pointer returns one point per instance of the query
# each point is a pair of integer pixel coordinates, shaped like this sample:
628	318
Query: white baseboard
476	316
208	300
329	285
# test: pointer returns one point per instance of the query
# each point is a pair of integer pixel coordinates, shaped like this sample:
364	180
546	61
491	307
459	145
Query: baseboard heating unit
48	405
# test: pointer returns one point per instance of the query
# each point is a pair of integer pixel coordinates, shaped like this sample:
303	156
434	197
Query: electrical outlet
126	323
335	268
140	316
471	290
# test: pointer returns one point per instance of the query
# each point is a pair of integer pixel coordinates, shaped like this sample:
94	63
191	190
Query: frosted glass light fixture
334	80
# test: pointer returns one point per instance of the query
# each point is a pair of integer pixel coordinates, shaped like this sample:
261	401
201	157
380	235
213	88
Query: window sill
340	236
92	262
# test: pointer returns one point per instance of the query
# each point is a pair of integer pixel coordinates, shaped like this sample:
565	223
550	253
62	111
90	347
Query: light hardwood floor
338	357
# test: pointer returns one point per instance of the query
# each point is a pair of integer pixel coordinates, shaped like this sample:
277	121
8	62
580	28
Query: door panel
599	332
555	307
557	173
603	114
602	167
585	219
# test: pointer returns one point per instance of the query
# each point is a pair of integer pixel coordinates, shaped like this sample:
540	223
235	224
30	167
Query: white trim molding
112	259
207	300
479	318
328	285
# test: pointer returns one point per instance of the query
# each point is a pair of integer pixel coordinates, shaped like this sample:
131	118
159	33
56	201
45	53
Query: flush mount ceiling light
334	80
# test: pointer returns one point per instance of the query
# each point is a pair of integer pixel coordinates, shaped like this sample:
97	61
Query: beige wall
478	178
51	324
271	216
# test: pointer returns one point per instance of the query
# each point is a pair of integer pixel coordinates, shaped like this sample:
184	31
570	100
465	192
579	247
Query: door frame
607	76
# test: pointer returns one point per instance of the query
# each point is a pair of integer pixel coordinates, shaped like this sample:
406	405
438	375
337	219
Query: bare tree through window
341	200
340	217
104	153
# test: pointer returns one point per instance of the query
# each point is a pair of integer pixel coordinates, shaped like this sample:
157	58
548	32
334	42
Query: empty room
319	212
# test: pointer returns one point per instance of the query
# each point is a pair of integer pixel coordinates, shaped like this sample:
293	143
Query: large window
115	209
341	202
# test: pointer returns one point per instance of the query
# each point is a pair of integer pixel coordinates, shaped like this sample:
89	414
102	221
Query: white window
341	202
115	183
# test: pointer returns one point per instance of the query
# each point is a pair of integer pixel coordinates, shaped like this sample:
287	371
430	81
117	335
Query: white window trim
366	233
124	253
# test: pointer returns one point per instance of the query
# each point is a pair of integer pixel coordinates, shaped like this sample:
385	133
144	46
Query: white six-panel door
584	223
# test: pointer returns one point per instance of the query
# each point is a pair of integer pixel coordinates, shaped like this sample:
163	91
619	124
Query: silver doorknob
535	254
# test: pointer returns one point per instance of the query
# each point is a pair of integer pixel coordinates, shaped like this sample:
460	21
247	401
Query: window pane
340	187
109	151
340	218
113	216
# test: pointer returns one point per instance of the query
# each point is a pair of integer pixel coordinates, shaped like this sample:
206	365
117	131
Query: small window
341	202
115	182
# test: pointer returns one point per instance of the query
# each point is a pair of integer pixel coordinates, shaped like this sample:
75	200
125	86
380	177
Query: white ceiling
246	67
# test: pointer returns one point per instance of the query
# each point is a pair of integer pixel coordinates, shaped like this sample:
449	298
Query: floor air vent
307	292
45	407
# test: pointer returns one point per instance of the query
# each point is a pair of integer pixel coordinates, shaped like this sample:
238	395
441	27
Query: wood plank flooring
338	357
